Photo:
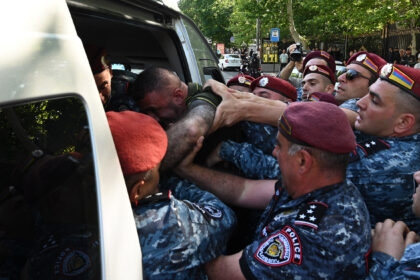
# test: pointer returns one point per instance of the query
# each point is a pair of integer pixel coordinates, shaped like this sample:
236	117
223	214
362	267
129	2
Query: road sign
275	35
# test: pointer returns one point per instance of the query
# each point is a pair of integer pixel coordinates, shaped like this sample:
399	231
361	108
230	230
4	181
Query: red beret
241	80
139	139
97	58
275	84
323	97
320	125
320	69
370	61
406	78
323	55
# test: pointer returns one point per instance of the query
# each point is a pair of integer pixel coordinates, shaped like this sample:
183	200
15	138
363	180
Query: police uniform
180	230
322	234
385	266
250	160
350	104
382	168
263	136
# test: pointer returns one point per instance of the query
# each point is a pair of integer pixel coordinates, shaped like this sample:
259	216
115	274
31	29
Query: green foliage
314	19
211	16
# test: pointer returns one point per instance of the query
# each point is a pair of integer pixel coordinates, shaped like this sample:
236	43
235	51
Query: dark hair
151	79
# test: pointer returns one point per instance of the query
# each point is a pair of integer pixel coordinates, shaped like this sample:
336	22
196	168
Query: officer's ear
405	124
305	161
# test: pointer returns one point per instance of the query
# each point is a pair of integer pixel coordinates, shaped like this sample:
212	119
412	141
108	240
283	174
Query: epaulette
160	196
311	214
369	147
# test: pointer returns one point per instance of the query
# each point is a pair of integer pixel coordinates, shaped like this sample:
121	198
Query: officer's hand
185	164
391	238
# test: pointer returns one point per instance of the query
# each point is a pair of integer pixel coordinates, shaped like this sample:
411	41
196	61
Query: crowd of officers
326	177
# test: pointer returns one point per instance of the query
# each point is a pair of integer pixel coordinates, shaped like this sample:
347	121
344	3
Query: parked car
64	206
230	61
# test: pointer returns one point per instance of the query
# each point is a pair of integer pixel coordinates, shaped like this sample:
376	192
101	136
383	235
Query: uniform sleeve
250	160
350	104
263	136
209	225
384	266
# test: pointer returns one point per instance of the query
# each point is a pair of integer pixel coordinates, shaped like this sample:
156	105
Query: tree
211	16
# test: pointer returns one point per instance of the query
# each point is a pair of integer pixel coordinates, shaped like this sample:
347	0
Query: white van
64	208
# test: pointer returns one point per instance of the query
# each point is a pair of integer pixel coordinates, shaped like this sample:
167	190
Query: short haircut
331	162
406	103
151	79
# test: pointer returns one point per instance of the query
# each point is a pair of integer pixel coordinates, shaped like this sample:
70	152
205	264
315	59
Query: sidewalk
270	69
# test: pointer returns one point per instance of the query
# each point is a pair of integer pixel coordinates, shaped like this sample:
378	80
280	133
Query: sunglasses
353	74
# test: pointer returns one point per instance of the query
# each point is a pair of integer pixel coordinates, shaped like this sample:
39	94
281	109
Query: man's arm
225	267
183	135
229	188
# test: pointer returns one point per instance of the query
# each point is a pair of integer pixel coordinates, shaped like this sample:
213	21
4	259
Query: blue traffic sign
275	35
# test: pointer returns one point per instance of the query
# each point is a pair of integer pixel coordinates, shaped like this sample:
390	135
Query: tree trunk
295	35
413	37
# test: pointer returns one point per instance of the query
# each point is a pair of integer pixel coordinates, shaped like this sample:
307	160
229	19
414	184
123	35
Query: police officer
180	229
313	58
362	70
241	83
387	153
317	78
315	224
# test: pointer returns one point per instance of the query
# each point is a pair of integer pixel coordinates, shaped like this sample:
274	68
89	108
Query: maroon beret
370	61
323	55
320	125
320	69
323	97
139	139
97	58
406	78
275	84
241	80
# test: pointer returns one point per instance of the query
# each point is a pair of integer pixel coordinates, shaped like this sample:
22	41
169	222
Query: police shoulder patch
372	146
208	211
72	263
281	248
311	214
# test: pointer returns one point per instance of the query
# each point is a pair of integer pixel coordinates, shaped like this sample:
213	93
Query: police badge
263	82
361	57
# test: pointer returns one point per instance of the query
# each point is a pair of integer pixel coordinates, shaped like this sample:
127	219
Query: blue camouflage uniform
350	104
386	267
250	160
323	234
382	168
263	136
180	230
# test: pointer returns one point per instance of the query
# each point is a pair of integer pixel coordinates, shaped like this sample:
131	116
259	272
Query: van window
48	199
203	54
